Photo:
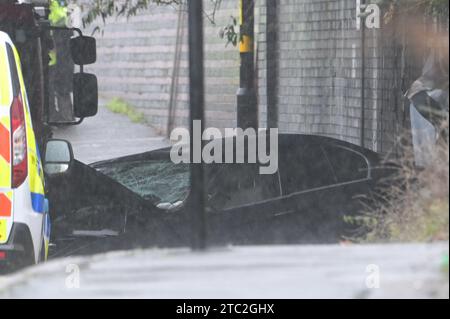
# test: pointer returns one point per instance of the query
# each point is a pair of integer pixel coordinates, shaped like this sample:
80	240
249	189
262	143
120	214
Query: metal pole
363	73
272	63
247	112
197	102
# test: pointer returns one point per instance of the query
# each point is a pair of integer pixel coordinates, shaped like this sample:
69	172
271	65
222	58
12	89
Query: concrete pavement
355	271
109	135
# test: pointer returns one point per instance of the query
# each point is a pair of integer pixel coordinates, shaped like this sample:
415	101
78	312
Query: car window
234	185
160	181
347	164
304	168
13	69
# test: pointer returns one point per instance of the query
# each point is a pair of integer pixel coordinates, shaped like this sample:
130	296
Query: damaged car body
142	200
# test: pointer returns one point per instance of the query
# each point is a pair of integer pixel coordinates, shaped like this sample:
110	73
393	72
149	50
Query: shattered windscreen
158	181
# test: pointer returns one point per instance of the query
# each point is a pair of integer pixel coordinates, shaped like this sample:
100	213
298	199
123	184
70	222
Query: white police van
24	218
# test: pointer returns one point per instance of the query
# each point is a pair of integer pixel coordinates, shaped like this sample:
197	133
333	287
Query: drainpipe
272	50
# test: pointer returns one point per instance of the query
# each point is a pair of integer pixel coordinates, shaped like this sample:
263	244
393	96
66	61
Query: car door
321	183
307	183
240	204
354	183
88	212
303	202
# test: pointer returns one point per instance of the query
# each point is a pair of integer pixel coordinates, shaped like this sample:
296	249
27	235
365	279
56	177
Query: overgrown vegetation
414	207
120	106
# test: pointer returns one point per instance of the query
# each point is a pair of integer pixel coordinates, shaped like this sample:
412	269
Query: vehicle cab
25	127
24	219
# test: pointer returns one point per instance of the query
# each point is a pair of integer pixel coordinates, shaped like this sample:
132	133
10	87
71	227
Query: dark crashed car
142	200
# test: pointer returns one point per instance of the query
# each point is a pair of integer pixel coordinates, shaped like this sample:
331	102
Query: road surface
355	271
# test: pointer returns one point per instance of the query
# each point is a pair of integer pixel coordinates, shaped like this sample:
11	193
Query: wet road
356	271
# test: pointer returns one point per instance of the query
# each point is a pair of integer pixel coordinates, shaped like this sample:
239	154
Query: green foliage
119	106
229	32
432	8
128	8
110	8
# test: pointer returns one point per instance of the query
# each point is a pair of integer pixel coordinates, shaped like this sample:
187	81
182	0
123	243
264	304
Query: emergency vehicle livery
24	218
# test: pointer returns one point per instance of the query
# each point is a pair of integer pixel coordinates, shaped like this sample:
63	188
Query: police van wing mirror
85	95
58	157
83	50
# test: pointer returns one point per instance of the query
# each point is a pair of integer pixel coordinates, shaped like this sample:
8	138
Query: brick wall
319	70
320	73
137	62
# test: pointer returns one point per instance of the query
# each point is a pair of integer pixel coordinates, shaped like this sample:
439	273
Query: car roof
285	139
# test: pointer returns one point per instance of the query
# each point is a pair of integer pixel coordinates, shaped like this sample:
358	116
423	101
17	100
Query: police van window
13	69
347	165
4	89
